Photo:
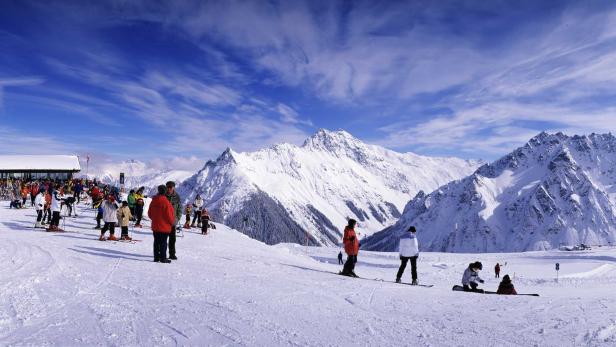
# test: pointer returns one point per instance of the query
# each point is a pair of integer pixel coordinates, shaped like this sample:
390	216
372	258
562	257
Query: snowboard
458	288
382	280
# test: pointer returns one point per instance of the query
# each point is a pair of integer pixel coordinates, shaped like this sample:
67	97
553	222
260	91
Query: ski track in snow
68	289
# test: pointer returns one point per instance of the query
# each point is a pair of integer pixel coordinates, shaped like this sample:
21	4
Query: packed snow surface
39	162
68	289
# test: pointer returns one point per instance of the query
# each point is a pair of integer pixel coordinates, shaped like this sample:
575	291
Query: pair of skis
394	282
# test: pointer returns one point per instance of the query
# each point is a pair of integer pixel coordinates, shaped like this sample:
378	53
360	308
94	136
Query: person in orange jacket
351	247
163	219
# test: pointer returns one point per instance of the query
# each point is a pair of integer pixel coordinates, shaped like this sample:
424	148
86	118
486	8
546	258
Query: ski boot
414	283
398	280
125	238
102	238
186	226
112	238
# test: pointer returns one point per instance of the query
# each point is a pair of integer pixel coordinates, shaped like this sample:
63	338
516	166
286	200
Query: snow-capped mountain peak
287	193
555	189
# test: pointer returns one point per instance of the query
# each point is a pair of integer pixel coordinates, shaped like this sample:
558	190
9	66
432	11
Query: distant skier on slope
506	287
497	269
471	277
340	262
409	250
351	247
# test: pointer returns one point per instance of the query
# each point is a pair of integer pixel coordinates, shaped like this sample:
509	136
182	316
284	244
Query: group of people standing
409	252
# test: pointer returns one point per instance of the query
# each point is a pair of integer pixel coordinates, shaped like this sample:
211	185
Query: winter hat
170	184
412	229
352	223
478	265
161	189
506	279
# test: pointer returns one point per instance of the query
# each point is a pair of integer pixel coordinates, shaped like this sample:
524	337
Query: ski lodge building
39	166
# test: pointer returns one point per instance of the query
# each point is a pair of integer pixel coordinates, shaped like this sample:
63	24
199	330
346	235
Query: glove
481	281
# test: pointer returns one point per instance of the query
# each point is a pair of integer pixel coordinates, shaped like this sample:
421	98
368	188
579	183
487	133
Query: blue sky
176	82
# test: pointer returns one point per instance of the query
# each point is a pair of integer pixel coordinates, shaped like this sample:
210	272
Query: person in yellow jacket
139	199
124	217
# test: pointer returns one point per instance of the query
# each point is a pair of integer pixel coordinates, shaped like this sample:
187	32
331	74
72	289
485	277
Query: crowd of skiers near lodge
409	252
165	211
50	197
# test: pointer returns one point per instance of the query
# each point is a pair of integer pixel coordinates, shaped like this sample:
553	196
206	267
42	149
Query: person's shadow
109	253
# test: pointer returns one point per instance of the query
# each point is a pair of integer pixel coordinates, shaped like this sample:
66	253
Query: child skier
110	217
471	277
124	217
188	213
205	221
506	287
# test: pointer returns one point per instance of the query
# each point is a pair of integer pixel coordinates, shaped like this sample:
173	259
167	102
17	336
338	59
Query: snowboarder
163	219
139	206
39	205
409	250
175	200
471	277
506	287
188	213
197	207
351	247
340	262
205	221
497	270
110	217
124	217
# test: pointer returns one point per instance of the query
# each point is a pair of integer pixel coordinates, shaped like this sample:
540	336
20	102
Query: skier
471	277
55	209
34	190
205	221
69	202
163	219
110	217
24	195
39	205
99	216
198	206
409	250
506	287
175	200
188	213
132	201
139	206
340	262
351	247
124	217
497	270
78	190
47	209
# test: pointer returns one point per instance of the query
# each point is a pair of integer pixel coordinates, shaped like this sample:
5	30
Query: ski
382	280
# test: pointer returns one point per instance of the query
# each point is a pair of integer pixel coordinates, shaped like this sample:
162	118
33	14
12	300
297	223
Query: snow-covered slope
69	289
305	194
554	190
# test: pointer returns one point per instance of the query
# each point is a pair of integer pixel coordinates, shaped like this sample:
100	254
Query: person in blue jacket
409	250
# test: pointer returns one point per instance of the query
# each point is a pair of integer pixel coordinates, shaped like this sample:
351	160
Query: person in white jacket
197	208
56	199
110	217
39	205
409	250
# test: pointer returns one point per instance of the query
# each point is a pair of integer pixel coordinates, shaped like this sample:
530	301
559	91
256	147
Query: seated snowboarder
409	250
205	221
471	277
506	287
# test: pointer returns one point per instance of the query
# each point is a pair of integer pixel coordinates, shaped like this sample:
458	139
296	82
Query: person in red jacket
497	270
351	247
163	219
506	287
